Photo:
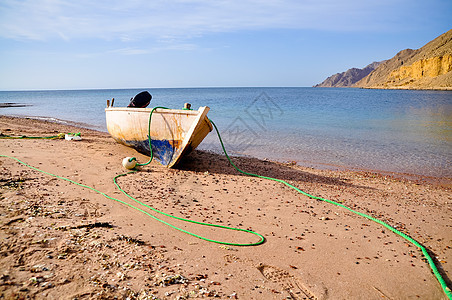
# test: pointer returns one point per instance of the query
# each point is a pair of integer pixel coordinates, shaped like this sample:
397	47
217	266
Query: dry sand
61	241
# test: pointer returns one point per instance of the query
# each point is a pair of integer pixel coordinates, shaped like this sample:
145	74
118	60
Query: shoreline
405	88
440	181
59	239
435	180
12	104
57	121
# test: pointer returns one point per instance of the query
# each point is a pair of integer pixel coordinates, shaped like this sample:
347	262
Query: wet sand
61	241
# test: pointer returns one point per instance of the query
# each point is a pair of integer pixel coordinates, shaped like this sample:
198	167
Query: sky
86	44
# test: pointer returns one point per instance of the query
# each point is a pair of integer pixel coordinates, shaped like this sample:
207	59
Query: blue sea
384	130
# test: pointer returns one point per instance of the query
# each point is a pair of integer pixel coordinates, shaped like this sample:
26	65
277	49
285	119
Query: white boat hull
174	132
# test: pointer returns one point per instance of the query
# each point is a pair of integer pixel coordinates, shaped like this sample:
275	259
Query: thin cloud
130	51
161	48
139	19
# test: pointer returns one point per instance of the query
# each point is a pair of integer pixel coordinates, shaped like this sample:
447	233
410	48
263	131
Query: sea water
386	130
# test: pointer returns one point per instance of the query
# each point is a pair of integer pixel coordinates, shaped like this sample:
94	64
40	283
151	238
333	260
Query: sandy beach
61	241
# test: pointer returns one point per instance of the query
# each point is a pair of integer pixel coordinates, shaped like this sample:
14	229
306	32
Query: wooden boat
174	132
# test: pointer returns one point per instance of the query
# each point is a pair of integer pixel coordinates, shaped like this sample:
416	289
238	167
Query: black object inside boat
141	100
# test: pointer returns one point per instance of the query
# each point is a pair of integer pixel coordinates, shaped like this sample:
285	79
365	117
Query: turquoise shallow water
386	130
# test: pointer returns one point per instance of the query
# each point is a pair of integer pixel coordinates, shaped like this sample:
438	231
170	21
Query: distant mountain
349	77
429	67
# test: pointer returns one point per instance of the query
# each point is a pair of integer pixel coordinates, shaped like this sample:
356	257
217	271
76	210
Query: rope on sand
262	239
435	271
52	137
430	261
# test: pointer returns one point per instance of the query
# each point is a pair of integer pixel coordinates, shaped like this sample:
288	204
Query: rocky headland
349	77
428	67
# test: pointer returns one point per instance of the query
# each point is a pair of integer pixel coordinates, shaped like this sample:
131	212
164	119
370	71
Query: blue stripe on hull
163	151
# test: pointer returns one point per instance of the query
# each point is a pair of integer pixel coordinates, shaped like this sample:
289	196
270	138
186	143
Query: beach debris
227	248
38	268
131	240
94	225
12	183
201	276
36	280
72	136
17	219
121	276
172	279
87	226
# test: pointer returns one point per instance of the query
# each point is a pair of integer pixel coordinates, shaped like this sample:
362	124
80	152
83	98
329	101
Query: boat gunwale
157	110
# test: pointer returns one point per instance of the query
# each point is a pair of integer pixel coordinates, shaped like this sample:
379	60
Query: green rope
438	276
53	137
149	138
262	239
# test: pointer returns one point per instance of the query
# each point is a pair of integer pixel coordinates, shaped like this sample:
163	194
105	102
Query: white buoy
129	163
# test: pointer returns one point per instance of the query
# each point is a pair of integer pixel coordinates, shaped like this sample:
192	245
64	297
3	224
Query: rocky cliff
429	67
349	77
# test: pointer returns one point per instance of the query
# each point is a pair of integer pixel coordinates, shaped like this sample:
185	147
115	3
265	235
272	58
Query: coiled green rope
262	239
